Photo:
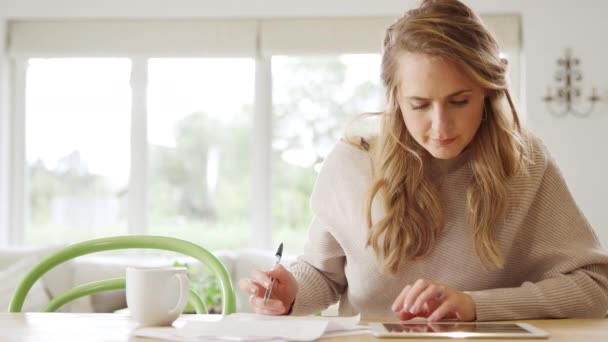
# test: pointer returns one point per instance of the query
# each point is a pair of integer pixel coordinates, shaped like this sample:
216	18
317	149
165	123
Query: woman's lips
444	142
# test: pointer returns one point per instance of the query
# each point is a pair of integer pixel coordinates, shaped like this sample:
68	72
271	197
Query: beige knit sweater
555	266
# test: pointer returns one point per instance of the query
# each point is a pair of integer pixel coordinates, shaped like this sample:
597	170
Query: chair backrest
123	242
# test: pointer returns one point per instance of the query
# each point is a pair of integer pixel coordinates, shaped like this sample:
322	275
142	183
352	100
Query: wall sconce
568	93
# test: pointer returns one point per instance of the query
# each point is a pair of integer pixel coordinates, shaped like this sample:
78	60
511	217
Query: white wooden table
67	327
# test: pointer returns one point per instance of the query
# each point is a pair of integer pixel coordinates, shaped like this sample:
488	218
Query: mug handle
184	293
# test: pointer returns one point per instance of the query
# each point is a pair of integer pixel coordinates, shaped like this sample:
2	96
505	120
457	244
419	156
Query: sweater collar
442	167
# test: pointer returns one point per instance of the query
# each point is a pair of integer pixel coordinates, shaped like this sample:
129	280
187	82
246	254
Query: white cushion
56	281
228	258
11	255
11	277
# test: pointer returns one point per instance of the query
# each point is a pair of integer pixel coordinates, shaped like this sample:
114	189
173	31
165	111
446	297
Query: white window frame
5	142
18	182
138	174
261	205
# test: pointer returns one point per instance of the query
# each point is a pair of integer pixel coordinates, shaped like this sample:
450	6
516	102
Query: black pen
268	292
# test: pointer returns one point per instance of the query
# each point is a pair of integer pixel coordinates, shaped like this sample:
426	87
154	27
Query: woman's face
442	107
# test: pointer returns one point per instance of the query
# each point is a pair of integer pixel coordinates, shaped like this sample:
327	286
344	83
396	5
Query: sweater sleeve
558	255
320	270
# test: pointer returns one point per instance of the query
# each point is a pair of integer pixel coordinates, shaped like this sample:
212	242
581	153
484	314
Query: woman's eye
459	102
419	106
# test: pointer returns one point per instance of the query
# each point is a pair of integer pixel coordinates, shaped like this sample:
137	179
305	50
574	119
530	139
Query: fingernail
404	308
252	289
414	309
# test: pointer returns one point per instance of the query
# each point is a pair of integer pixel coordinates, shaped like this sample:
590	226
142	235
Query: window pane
316	100
77	141
199	131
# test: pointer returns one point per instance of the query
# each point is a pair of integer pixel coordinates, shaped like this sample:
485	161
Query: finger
406	315
260	302
250	286
430	306
425	309
261	278
398	303
246	284
419	286
431	292
267	311
442	311
273	306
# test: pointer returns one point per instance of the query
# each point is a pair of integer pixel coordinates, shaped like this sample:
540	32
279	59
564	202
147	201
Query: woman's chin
444	153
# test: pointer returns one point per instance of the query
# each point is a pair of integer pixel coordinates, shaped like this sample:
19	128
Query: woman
453	211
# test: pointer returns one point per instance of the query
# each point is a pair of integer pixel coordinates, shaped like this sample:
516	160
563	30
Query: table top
26	327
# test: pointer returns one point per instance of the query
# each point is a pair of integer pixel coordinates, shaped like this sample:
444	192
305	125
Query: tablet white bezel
379	330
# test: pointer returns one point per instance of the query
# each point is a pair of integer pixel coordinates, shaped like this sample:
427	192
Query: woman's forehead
428	76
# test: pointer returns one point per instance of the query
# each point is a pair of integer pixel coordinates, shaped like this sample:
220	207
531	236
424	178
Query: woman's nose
441	122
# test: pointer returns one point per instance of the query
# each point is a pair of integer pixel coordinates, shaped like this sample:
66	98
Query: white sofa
14	263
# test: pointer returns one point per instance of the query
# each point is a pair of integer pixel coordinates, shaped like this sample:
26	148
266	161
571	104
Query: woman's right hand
283	293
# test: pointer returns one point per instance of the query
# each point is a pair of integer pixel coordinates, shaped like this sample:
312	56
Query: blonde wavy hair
413	211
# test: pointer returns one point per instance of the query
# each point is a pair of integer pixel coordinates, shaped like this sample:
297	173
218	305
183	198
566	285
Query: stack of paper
251	327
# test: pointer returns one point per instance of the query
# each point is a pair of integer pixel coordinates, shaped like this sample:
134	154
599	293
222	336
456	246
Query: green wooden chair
123	242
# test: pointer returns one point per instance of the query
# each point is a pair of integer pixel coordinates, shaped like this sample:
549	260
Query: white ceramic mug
157	296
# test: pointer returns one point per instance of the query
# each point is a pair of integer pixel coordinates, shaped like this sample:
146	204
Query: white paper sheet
257	328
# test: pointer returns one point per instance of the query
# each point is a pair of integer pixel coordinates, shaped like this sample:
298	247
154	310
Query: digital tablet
457	330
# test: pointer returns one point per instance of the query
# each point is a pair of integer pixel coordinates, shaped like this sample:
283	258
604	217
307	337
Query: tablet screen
455	327
457	330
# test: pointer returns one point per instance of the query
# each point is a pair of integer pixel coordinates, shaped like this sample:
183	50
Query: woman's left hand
434	301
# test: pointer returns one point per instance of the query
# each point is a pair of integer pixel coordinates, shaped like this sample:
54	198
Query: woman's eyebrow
419	98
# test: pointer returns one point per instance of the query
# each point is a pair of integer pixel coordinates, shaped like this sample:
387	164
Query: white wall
4	139
579	145
549	26
227	8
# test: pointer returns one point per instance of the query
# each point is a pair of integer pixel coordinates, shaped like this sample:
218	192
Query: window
316	101
175	125
199	132
77	139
